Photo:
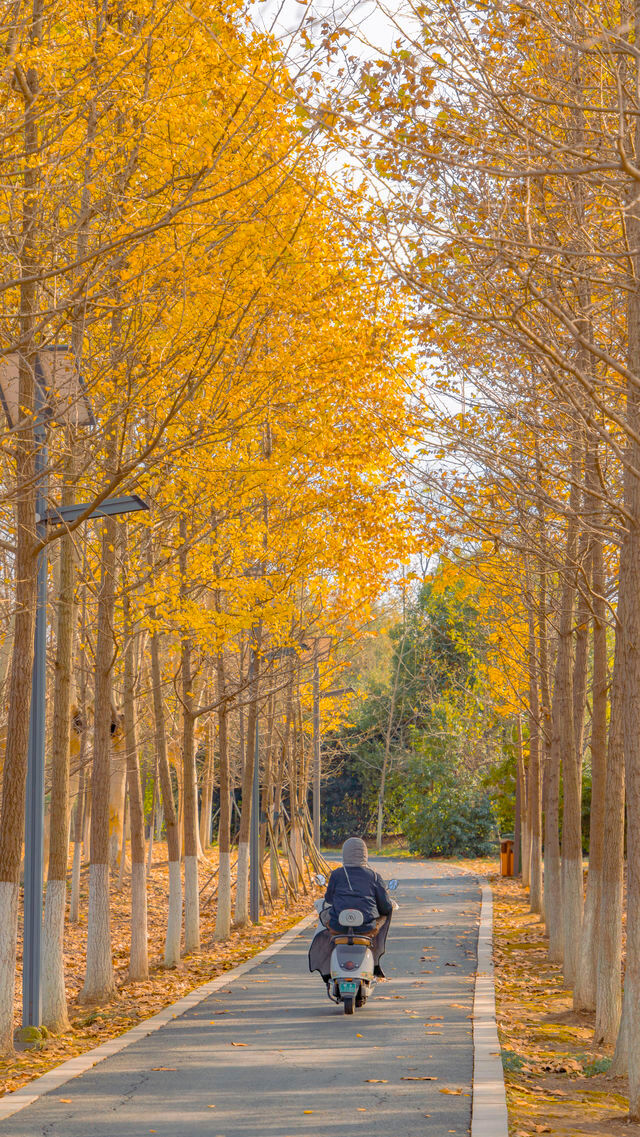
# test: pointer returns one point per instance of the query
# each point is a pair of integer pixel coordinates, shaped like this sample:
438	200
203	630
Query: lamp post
56	374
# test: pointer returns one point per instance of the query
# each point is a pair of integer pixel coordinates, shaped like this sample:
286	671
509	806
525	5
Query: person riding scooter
354	885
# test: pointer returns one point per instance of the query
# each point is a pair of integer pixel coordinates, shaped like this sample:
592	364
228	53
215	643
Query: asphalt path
273	1056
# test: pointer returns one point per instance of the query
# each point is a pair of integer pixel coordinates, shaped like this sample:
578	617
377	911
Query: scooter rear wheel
348	1001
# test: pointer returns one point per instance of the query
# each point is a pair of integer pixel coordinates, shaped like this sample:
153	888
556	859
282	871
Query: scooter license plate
348	987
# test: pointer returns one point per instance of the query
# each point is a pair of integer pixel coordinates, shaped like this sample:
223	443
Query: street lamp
57	379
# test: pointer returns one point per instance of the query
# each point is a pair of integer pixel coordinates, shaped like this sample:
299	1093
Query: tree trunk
573	877
534	794
207	790
189	778
521	803
99	983
138	957
563	753
74	903
174	916
387	742
609	935
54	999
584	994
630	586
19	694
117	794
242	887
223	913
153	818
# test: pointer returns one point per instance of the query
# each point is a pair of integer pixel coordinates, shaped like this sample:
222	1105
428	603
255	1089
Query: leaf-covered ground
557	1081
136	1001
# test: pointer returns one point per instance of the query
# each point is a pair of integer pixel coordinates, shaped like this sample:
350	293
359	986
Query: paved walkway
272	1055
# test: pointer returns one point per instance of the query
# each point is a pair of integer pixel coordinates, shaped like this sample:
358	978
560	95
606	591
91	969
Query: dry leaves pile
91	1026
556	1080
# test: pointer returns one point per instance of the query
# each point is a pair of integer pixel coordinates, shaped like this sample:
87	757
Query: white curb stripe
489	1110
13	1102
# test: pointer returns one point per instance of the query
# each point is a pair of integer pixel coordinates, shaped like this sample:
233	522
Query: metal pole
316	754
34	819
254	836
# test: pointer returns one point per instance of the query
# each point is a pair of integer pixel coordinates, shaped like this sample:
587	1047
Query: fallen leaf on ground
381	1081
418	1078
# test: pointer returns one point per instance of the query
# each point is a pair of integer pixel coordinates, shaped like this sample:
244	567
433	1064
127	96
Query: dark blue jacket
361	888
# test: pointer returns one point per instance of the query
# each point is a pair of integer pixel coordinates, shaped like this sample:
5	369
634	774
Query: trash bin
506	855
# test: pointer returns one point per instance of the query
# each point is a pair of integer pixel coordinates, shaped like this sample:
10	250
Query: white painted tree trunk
608	997
620	1062
8	946
54	1002
223	913
138	960
572	892
74	905
584	992
191	905
609	929
99	985
241	916
174	917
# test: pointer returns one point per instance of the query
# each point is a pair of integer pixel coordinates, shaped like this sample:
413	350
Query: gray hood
354	853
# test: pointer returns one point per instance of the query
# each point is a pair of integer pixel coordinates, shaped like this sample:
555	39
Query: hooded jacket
355	885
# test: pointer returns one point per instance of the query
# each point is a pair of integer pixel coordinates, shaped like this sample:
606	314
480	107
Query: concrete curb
13	1102
489	1109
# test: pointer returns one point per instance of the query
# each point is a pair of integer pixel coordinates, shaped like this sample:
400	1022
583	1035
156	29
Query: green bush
447	814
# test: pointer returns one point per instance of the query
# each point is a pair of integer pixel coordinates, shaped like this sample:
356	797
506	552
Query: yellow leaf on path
445	1091
239	1044
418	1078
380	1081
66	1101
307	1111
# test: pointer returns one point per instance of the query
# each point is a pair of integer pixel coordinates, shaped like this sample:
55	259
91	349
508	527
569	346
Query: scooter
352	979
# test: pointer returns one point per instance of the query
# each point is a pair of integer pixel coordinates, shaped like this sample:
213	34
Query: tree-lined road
262	1055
